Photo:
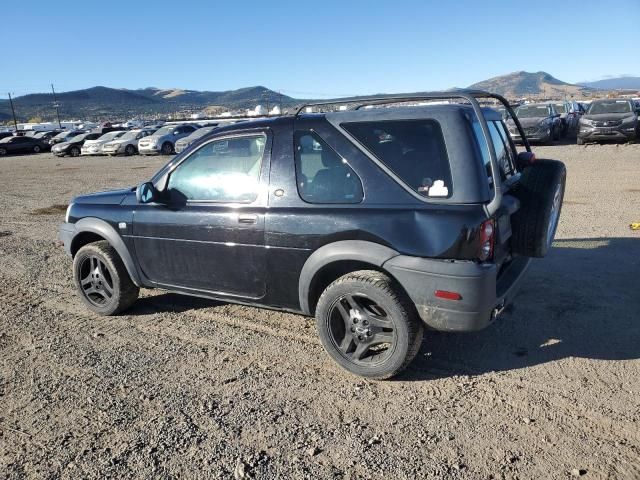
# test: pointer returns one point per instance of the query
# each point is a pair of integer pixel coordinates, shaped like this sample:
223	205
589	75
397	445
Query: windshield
561	108
61	135
609	106
129	135
78	138
532	111
165	130
110	136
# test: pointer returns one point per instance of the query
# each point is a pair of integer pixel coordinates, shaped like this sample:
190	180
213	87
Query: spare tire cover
541	192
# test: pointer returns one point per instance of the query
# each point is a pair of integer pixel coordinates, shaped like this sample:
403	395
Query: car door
208	233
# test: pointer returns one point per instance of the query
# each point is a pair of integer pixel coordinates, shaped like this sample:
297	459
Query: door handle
248	218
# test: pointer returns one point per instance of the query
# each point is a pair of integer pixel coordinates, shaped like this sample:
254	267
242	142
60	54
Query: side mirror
146	193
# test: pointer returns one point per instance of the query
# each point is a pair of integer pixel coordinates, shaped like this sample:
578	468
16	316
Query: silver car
127	144
94	147
183	143
163	141
540	121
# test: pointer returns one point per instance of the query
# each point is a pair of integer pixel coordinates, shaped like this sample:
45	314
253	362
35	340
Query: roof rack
382	100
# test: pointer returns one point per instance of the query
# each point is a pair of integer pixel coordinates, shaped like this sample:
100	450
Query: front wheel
102	280
3	151
367	325
36	149
130	150
74	152
167	148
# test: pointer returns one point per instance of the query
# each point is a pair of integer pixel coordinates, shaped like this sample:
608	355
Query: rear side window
414	150
322	175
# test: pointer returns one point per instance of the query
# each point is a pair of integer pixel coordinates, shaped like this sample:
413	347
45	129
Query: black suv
377	221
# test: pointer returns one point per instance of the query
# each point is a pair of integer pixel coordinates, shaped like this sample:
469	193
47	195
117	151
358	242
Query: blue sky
311	49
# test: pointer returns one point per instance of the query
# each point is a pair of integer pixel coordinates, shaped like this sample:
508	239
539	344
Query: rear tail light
487	240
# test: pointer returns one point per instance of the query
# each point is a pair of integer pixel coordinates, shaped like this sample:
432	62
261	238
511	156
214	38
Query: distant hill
522	84
104	102
618	83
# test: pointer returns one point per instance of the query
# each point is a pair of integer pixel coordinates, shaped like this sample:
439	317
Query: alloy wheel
361	330
96	281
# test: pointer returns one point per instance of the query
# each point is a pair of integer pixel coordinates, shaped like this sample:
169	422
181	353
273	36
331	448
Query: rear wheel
3	151
540	191
74	151
102	279
130	150
36	149
367	325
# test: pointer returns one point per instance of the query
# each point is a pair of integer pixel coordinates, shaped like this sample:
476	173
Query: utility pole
15	122
57	106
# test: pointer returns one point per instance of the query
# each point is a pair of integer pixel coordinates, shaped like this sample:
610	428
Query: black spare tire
540	191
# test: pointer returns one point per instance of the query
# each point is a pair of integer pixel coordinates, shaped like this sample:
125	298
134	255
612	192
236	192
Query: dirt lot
188	388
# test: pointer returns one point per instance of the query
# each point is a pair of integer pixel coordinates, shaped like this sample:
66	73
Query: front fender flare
354	250
106	231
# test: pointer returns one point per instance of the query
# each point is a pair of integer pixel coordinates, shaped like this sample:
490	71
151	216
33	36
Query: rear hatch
506	156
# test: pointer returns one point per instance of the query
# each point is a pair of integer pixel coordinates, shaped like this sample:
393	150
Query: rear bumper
484	293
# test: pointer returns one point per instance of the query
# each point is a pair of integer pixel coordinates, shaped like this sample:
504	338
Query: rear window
414	150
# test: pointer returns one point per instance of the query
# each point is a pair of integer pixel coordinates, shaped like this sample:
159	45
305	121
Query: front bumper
148	149
594	134
91	150
66	232
111	150
484	293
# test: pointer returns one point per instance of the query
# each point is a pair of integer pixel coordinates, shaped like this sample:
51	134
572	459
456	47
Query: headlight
586	121
66	215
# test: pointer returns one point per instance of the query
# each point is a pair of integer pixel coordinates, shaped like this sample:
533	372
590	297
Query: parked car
183	143
127	144
65	136
163	141
610	119
569	112
73	146
94	147
361	231
46	136
22	145
540	121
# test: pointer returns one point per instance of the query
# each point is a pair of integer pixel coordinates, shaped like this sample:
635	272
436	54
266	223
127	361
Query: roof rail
382	100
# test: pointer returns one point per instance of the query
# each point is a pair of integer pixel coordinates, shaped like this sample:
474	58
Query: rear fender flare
353	250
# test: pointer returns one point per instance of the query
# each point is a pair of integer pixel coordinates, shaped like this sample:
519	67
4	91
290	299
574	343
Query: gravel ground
181	387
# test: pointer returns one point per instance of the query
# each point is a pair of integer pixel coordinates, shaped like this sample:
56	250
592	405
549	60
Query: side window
321	174
226	170
501	143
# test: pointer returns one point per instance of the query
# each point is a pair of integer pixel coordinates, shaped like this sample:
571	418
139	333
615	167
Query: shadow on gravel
170	302
583	301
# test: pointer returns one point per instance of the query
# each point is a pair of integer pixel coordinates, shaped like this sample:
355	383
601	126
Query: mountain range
99	103
619	83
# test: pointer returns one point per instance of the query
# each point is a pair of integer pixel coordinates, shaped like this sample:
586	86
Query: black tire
36	149
381	332
579	141
74	151
130	150
540	191
167	148
3	151
102	280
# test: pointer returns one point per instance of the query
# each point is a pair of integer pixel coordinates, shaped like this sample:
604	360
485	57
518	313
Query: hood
111	197
603	117
62	145
94	142
528	122
153	138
